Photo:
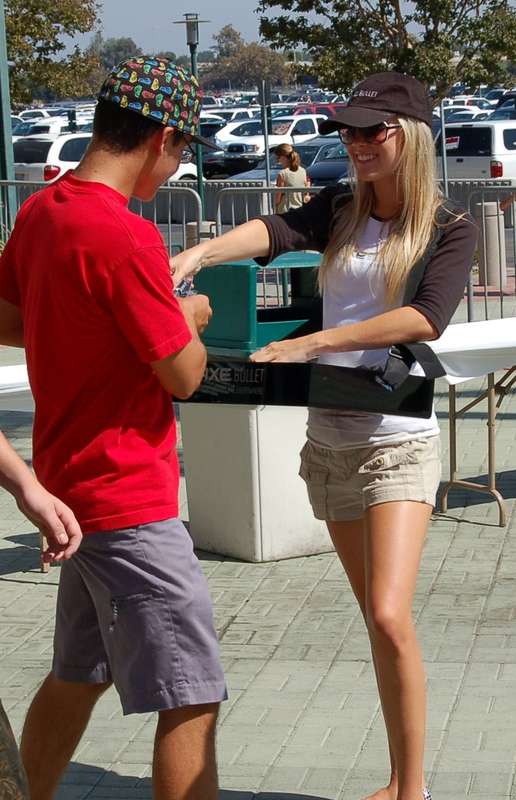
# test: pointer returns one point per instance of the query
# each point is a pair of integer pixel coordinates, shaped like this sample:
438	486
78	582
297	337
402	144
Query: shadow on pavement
22	558
460	497
106	783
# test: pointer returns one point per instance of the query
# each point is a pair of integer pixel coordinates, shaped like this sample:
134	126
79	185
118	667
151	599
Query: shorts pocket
316	479
142	647
388	458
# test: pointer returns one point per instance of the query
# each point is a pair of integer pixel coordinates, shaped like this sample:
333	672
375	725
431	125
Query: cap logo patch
365	93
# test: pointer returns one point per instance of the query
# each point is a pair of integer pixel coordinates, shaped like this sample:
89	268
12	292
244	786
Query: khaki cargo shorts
342	484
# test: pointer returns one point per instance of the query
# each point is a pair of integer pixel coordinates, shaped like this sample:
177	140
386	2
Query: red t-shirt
93	282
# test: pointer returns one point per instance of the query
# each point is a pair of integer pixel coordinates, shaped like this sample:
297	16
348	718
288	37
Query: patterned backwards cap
158	89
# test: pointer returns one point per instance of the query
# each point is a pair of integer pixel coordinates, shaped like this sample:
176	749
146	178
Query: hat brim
205	143
355	117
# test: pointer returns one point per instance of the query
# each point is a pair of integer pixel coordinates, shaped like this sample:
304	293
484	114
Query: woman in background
292	174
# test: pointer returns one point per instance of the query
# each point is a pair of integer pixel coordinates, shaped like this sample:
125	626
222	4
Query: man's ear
171	139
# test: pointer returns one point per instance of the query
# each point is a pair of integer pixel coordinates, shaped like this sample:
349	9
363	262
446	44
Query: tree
246	67
34	43
206	56
228	42
438	41
114	50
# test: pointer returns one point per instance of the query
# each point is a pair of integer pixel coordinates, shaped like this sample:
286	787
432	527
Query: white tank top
354	294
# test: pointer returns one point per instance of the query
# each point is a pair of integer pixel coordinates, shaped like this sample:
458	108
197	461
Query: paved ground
303	721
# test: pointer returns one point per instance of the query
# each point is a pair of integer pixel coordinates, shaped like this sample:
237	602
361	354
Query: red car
328	109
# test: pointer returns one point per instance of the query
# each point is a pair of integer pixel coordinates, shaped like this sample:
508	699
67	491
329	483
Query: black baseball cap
379	97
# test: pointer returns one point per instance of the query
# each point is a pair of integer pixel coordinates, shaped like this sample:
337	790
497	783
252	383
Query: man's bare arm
53	518
181	373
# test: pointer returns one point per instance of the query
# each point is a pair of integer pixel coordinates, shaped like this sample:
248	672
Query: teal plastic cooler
238	326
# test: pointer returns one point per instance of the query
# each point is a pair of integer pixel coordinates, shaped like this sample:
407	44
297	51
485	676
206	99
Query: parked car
208	128
45	158
465	115
51	126
283	129
245	144
22	129
236	114
310	152
480	149
506	108
468	100
282	109
33	114
210	100
331	168
494	95
326	109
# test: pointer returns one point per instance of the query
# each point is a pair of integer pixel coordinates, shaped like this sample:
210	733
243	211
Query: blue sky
150	23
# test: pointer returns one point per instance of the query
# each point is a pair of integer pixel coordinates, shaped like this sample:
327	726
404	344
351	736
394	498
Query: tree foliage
242	64
35	31
438	41
114	50
228	41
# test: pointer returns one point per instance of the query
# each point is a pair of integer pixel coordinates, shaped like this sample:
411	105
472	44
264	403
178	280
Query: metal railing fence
495	256
177	211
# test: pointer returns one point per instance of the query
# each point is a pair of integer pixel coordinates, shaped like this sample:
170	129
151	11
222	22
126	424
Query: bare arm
400	325
249	240
11	324
53	518
181	373
277	197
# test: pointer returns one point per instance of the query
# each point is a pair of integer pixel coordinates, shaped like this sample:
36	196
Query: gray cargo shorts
133	608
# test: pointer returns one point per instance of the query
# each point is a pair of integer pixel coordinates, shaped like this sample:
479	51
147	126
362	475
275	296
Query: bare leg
395	534
53	728
349	541
184	765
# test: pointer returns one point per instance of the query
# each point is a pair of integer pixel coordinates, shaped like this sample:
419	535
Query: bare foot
387	793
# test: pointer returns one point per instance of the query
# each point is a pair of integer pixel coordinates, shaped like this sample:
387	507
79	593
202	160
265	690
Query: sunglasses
374	134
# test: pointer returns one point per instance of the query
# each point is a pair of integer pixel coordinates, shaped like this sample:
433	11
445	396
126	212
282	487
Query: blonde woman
374	477
292	174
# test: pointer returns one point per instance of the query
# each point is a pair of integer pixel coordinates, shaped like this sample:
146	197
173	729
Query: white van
480	149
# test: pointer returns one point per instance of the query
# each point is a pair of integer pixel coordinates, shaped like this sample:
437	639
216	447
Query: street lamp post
192	22
8	197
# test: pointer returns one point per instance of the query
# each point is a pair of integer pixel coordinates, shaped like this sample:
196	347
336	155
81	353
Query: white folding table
473	350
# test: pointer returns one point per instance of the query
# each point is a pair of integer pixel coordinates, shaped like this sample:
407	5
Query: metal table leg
501	388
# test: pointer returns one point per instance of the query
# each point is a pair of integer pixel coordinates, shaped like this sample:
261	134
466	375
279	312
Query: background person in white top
292	174
373	477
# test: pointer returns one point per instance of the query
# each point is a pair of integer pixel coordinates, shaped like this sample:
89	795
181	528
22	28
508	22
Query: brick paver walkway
303	720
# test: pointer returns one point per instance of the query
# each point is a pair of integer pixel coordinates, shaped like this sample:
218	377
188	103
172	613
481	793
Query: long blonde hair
411	231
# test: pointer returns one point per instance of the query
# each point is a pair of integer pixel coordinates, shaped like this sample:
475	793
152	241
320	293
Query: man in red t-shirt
85	286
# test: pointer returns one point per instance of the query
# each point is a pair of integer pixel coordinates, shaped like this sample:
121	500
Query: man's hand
54	519
196	308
